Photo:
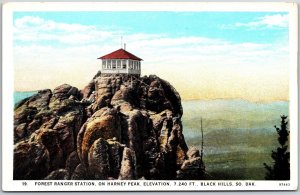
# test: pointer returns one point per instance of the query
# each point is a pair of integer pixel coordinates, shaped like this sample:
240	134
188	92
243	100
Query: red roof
120	54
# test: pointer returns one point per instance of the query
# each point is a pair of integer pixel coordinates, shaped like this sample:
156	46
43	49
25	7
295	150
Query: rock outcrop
117	127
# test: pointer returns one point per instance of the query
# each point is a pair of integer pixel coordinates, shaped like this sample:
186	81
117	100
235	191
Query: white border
151	6
8	78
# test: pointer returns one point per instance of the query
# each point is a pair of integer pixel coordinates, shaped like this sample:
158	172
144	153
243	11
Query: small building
121	62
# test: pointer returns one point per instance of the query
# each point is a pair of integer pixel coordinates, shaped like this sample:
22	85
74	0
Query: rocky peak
117	127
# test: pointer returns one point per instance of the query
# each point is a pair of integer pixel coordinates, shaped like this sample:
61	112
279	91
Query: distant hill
238	135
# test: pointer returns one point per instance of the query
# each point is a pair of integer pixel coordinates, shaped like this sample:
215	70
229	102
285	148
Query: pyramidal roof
120	54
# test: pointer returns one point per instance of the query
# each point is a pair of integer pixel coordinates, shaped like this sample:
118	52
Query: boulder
115	151
60	174
98	159
51	140
193	152
72	161
20	131
88	90
31	161
127	171
68	126
65	91
80	173
103	124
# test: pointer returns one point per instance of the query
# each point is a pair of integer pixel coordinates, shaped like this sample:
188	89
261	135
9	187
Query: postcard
150	96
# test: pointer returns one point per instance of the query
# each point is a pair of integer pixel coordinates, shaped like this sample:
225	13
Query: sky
204	55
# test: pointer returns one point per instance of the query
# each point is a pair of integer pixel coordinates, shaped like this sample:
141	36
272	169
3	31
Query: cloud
38	23
268	21
31	29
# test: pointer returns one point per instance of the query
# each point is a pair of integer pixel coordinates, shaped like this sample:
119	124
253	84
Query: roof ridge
120	54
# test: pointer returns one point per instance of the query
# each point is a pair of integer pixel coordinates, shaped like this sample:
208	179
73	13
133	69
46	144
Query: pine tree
281	164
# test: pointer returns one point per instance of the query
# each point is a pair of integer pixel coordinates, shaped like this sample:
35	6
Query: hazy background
238	135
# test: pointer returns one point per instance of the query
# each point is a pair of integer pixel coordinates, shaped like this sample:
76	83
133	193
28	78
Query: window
118	64
103	64
109	64
124	64
113	64
130	64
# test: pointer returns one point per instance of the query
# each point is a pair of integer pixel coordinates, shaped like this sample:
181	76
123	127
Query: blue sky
207	24
218	53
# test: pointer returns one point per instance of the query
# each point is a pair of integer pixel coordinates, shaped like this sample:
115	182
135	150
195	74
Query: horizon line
201	99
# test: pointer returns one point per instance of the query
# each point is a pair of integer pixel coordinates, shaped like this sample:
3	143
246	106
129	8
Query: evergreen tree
281	164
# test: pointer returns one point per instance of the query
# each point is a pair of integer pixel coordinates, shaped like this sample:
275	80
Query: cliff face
117	127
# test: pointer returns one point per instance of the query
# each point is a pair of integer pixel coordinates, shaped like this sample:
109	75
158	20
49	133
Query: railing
121	71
